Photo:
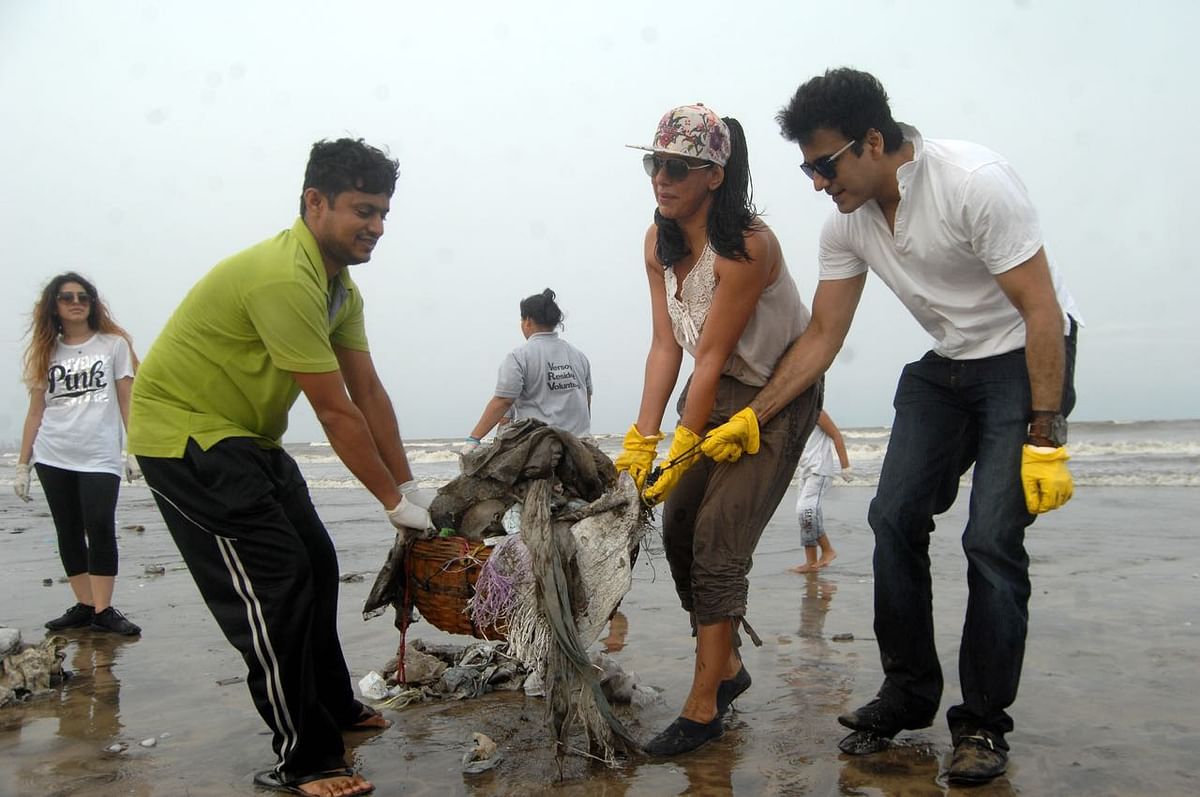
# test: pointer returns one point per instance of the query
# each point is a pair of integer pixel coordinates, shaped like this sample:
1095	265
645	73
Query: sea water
1103	453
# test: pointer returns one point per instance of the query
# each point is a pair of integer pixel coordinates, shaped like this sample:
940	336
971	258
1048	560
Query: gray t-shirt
548	379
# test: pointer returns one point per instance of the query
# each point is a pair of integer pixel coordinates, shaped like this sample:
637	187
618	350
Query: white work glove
407	514
133	471
847	474
469	445
21	482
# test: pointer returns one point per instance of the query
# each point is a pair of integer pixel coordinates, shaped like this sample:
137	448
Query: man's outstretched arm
802	364
369	395
812	353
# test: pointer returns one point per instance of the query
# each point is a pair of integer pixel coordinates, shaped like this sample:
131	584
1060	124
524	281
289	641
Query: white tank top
778	319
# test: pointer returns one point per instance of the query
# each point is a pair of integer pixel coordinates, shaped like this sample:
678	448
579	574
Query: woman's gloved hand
133	471
1045	477
685	452
21	482
731	439
637	455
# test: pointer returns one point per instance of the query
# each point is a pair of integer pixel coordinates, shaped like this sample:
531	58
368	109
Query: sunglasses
677	168
71	297
824	164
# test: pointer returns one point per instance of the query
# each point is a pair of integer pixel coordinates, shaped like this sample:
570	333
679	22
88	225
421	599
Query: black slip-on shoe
684	735
864	743
977	759
886	717
77	616
114	622
731	689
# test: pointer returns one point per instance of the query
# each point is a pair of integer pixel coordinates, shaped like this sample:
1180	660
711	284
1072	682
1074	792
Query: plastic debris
373	686
10	640
481	756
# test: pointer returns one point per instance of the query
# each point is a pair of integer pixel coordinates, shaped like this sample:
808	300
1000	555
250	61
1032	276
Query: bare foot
368	719
826	559
618	627
807	567
338	786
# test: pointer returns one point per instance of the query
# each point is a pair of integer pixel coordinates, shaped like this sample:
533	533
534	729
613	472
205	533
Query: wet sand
1107	706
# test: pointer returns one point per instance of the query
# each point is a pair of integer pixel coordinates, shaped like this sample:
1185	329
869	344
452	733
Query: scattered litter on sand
32	670
481	756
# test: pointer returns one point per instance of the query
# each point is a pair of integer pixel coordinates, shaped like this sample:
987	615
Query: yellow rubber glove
1045	477
637	455
728	441
685	452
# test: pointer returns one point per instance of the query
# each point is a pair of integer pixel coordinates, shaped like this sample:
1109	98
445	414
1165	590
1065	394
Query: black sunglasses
70	297
824	164
677	168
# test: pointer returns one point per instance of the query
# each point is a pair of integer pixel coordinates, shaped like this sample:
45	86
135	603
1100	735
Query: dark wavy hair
542	310
348	164
730	216
846	100
45	327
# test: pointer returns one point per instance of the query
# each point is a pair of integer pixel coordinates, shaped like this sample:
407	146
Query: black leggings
84	508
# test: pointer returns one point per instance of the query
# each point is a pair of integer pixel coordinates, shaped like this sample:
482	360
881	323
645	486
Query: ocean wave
1134	448
414	457
317	459
430	457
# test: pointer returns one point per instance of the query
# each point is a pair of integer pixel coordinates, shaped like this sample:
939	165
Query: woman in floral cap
719	290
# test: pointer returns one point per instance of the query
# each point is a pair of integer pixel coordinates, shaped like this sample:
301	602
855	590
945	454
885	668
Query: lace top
689	312
778	319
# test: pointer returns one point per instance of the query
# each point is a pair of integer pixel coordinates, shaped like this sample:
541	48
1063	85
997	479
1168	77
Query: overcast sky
144	141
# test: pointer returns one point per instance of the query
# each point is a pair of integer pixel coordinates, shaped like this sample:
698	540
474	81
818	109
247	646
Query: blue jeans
950	414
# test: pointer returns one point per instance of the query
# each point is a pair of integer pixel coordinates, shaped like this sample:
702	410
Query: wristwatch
1048	428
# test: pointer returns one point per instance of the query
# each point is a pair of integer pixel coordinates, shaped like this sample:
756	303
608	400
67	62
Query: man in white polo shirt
949	227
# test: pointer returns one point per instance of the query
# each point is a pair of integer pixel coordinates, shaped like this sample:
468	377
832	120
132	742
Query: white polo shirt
964	217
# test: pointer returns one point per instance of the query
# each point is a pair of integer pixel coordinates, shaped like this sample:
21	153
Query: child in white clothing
816	473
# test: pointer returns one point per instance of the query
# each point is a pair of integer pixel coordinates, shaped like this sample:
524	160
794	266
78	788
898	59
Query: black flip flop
269	779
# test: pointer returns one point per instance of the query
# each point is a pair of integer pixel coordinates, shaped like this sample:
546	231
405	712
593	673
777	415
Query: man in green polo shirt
209	409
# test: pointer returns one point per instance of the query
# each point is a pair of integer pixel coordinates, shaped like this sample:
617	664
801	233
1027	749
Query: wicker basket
441	575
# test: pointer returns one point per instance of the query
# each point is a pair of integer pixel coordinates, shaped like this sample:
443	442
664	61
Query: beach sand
1107	706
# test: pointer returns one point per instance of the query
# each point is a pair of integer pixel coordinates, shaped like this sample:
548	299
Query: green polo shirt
222	366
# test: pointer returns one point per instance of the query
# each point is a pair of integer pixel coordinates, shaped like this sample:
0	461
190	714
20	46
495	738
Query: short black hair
348	164
846	100
542	310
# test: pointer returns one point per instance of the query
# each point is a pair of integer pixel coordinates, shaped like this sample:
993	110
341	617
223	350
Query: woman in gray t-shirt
546	378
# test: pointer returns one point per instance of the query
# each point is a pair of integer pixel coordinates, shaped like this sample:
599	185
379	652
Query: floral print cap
694	131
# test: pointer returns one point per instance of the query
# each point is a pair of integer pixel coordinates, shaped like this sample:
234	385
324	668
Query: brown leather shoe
977	759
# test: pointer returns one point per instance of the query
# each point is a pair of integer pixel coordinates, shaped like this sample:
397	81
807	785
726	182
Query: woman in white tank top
720	290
